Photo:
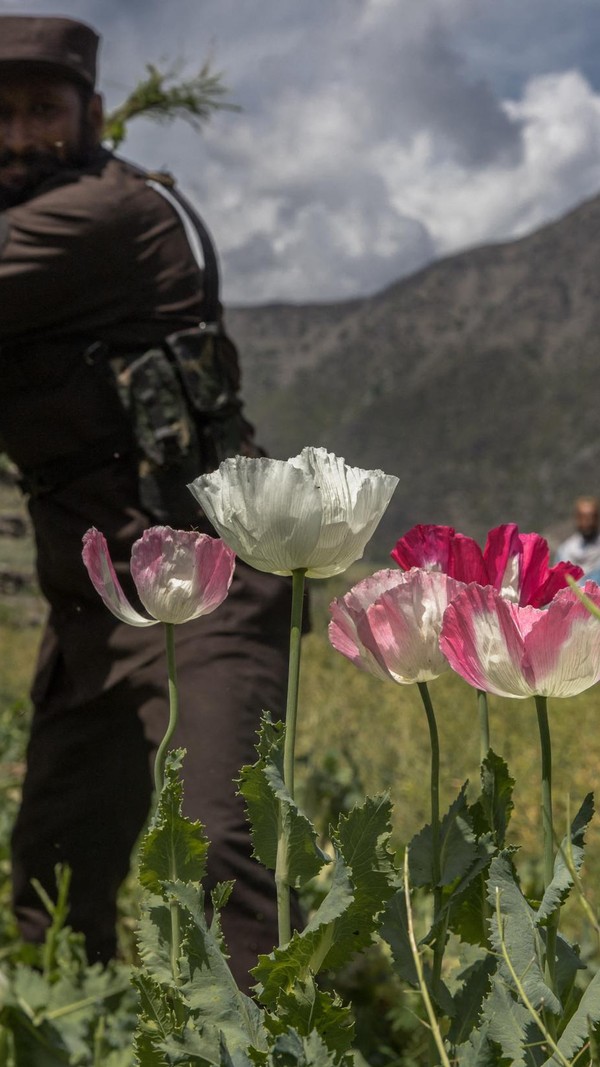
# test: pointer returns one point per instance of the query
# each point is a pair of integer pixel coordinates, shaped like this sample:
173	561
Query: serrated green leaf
468	912
29	988
594	1039
363	880
394	930
478	1051
221	894
362	837
155	1011
307	951
576	1031
439	993
154	940
207	984
519	934
201	1016
38	1046
306	1008
183	1049
568	964
458	847
510	1026
468	1001
145	1051
272	810
237	1058
61	1016
293	1050
492	810
218	898
174	847
572	844
464	905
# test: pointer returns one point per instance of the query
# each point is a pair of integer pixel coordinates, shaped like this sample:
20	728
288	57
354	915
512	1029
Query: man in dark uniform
96	271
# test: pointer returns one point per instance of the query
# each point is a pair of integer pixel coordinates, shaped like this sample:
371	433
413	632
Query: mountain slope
474	380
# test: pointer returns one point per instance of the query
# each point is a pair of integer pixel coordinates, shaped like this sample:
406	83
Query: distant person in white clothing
583	547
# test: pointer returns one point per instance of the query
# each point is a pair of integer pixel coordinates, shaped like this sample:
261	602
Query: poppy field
433	819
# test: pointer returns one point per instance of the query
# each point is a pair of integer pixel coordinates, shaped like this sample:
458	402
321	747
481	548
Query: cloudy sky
374	135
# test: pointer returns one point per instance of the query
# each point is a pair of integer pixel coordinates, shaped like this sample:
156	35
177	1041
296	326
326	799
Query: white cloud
560	124
375	135
336	213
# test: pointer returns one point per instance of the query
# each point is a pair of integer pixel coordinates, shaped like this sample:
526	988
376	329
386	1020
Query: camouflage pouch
163	431
185	413
208	367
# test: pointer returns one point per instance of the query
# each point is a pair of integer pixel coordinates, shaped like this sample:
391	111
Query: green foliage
191	1010
271	809
318	1000
510	1027
394	929
460	850
577	1030
294	1050
514	924
492	811
161	97
363	880
313	1009
173	847
62	1011
569	858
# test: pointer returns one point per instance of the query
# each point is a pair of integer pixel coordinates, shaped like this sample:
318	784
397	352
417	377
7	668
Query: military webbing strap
199	240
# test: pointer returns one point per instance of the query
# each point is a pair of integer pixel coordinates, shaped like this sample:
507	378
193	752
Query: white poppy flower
311	512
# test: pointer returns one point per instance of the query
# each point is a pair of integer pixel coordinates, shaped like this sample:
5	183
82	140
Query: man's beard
42	167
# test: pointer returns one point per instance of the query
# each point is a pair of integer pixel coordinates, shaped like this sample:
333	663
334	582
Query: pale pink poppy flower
524	651
516	564
179	575
389	624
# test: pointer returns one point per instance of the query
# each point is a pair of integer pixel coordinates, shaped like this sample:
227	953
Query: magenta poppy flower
515	651
389	624
178	574
516	564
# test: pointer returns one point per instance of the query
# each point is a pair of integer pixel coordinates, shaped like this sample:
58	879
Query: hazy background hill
475	380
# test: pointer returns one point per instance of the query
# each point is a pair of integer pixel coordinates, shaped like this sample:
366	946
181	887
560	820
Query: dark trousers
88	784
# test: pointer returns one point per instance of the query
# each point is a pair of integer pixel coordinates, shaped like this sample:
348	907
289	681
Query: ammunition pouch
183	405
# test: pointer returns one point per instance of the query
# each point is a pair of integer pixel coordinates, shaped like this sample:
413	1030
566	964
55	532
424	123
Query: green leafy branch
160	96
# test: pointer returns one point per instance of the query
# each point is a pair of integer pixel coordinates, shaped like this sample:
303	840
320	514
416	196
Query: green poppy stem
541	705
161	753
159	781
440	939
291	715
484	724
291	711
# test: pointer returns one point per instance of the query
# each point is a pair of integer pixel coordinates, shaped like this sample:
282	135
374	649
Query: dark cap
53	44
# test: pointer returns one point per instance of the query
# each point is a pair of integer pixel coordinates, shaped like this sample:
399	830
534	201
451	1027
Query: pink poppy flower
178	574
516	564
389	624
524	651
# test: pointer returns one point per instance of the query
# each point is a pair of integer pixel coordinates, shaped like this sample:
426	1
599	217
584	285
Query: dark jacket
97	262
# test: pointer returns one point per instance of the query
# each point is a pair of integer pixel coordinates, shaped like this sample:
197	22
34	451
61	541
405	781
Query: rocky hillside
475	381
